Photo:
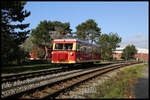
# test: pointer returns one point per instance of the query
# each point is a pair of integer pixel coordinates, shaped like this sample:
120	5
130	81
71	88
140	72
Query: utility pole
126	55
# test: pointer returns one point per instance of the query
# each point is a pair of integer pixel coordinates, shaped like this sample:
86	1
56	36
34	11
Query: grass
121	85
26	68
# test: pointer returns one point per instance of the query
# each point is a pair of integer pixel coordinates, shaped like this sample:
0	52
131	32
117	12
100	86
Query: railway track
23	76
51	87
20	82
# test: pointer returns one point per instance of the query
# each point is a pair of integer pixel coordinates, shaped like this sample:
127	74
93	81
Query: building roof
139	50
142	50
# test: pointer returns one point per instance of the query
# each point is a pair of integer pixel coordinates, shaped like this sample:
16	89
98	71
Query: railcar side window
58	46
83	49
89	49
68	46
63	46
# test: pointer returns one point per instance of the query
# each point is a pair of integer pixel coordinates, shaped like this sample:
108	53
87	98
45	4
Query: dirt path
142	85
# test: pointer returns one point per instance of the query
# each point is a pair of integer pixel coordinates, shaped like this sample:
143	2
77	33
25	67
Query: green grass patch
121	85
26	68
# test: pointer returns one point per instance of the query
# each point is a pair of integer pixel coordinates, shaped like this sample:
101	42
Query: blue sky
128	19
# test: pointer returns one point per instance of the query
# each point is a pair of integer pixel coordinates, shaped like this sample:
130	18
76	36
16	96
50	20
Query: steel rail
23	76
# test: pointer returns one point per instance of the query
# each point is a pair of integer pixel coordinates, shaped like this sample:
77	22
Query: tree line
45	32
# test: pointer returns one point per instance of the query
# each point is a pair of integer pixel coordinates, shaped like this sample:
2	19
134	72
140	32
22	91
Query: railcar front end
64	51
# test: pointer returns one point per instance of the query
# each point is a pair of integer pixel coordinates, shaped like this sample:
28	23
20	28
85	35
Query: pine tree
88	31
12	16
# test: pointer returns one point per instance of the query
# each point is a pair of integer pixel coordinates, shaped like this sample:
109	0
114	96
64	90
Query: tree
103	42
41	35
27	45
88	31
128	52
46	31
62	30
12	14
108	43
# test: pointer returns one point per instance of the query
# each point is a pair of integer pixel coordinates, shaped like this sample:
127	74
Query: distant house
117	53
142	53
34	55
33	51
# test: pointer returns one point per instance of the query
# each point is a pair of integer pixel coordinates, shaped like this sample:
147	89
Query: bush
14	56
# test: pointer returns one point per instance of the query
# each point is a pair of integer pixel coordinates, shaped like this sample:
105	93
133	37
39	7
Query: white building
142	53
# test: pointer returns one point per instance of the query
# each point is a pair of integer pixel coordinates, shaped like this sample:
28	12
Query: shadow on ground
141	88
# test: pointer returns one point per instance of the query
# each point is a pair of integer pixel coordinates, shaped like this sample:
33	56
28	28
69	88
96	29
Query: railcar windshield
63	46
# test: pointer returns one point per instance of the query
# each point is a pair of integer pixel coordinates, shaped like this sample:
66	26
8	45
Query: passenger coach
69	51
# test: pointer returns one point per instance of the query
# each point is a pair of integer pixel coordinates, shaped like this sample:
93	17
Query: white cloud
140	40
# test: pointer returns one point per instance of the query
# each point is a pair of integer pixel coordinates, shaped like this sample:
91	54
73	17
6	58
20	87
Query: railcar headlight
71	54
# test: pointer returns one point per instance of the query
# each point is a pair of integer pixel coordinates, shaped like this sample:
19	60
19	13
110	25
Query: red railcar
69	51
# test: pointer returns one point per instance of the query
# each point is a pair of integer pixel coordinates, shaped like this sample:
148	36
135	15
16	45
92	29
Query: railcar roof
65	39
80	41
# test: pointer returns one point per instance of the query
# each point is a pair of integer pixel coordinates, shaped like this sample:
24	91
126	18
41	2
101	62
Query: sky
128	19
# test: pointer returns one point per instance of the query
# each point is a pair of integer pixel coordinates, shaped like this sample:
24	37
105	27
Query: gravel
10	88
89	87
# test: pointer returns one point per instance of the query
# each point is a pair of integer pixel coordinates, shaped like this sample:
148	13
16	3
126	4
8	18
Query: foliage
108	43
46	31
128	52
41	33
13	12
27	45
40	52
88	31
62	29
12	32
